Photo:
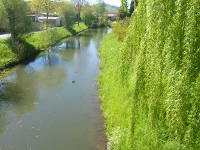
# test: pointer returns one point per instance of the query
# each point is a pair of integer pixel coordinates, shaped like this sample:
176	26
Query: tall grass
155	74
116	104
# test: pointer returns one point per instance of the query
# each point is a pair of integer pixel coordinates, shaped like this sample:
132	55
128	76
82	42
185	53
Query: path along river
52	102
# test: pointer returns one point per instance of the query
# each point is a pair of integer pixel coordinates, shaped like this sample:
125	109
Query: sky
112	2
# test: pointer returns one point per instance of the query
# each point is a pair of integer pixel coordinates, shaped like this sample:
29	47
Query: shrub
89	18
94	16
120	28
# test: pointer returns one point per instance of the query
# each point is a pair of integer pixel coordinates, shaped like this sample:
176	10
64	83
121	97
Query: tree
100	8
2	17
48	6
94	16
78	4
36	6
16	17
123	12
67	13
134	4
88	17
17	22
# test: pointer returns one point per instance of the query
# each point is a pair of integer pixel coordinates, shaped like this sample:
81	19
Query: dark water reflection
40	107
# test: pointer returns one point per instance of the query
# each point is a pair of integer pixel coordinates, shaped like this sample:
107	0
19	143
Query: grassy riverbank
150	83
116	104
34	43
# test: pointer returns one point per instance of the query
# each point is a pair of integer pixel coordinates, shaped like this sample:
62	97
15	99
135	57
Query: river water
52	102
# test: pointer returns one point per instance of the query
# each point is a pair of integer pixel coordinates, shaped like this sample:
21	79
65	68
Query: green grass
6	54
150	83
116	103
37	41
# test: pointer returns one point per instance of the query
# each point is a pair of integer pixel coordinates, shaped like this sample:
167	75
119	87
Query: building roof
50	18
112	15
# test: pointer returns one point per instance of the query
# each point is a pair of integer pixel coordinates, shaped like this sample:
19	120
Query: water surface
52	102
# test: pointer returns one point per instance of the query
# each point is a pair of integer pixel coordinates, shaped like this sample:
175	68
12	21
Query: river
52	102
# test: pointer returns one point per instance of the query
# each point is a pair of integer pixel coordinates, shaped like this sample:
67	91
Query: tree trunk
47	21
78	18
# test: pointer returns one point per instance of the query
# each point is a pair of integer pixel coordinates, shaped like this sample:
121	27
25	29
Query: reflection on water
20	97
3	121
40	107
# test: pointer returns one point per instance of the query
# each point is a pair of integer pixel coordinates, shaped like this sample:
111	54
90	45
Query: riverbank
34	44
115	102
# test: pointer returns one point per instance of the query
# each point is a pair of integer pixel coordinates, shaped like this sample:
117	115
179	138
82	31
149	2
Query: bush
92	18
120	28
103	22
89	18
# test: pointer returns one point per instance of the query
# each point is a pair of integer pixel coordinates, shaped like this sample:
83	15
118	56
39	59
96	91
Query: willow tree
159	64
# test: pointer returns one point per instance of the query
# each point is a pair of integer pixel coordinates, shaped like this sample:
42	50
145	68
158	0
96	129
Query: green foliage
6	54
47	6
16	21
68	14
31	44
120	28
15	16
36	6
102	22
95	16
2	16
99	8
123	12
155	74
116	104
79	4
88	17
133	5
80	27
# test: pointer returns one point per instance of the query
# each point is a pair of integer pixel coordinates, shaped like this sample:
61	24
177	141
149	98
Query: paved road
3	36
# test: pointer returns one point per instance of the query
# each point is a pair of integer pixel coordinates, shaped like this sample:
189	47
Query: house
53	21
34	18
